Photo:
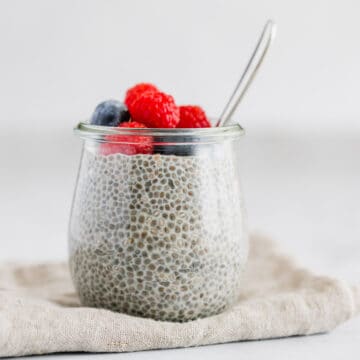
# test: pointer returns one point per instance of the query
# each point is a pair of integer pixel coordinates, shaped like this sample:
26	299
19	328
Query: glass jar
157	226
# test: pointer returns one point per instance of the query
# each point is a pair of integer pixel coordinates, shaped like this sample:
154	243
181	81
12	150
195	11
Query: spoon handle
250	71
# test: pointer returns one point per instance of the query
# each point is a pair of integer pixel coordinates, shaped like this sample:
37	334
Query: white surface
301	190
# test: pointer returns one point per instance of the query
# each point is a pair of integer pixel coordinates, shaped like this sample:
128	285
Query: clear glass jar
158	235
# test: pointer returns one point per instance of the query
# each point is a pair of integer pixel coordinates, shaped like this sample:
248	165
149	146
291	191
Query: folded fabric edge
86	334
83	329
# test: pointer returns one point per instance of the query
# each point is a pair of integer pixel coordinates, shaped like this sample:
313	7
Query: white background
300	157
59	58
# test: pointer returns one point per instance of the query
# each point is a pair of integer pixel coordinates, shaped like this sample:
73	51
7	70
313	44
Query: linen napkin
40	311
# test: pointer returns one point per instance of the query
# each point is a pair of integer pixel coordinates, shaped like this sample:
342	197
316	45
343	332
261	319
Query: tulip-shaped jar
157	224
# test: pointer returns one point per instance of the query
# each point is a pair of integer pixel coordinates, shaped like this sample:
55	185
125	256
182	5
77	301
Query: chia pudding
160	236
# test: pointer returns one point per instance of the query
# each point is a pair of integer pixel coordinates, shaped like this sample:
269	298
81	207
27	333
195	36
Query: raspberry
134	92
155	109
193	117
127	144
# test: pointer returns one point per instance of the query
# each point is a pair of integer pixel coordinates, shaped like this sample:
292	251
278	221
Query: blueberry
174	148
110	113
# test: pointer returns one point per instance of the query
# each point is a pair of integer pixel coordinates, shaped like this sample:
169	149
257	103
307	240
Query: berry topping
110	113
155	110
193	117
127	144
182	146
133	93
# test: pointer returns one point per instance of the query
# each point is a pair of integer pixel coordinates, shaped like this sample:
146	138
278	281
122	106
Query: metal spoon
257	57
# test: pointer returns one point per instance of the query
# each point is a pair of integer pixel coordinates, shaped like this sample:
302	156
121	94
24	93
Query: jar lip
86	130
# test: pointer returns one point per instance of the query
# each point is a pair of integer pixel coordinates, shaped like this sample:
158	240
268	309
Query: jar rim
88	131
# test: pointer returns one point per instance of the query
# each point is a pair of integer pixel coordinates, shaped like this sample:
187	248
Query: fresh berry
182	146
190	117
110	113
193	117
133	93
155	110
127	144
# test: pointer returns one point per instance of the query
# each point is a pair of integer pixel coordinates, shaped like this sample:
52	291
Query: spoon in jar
256	59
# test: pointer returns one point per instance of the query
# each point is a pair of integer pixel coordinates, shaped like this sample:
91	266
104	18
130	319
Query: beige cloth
40	313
